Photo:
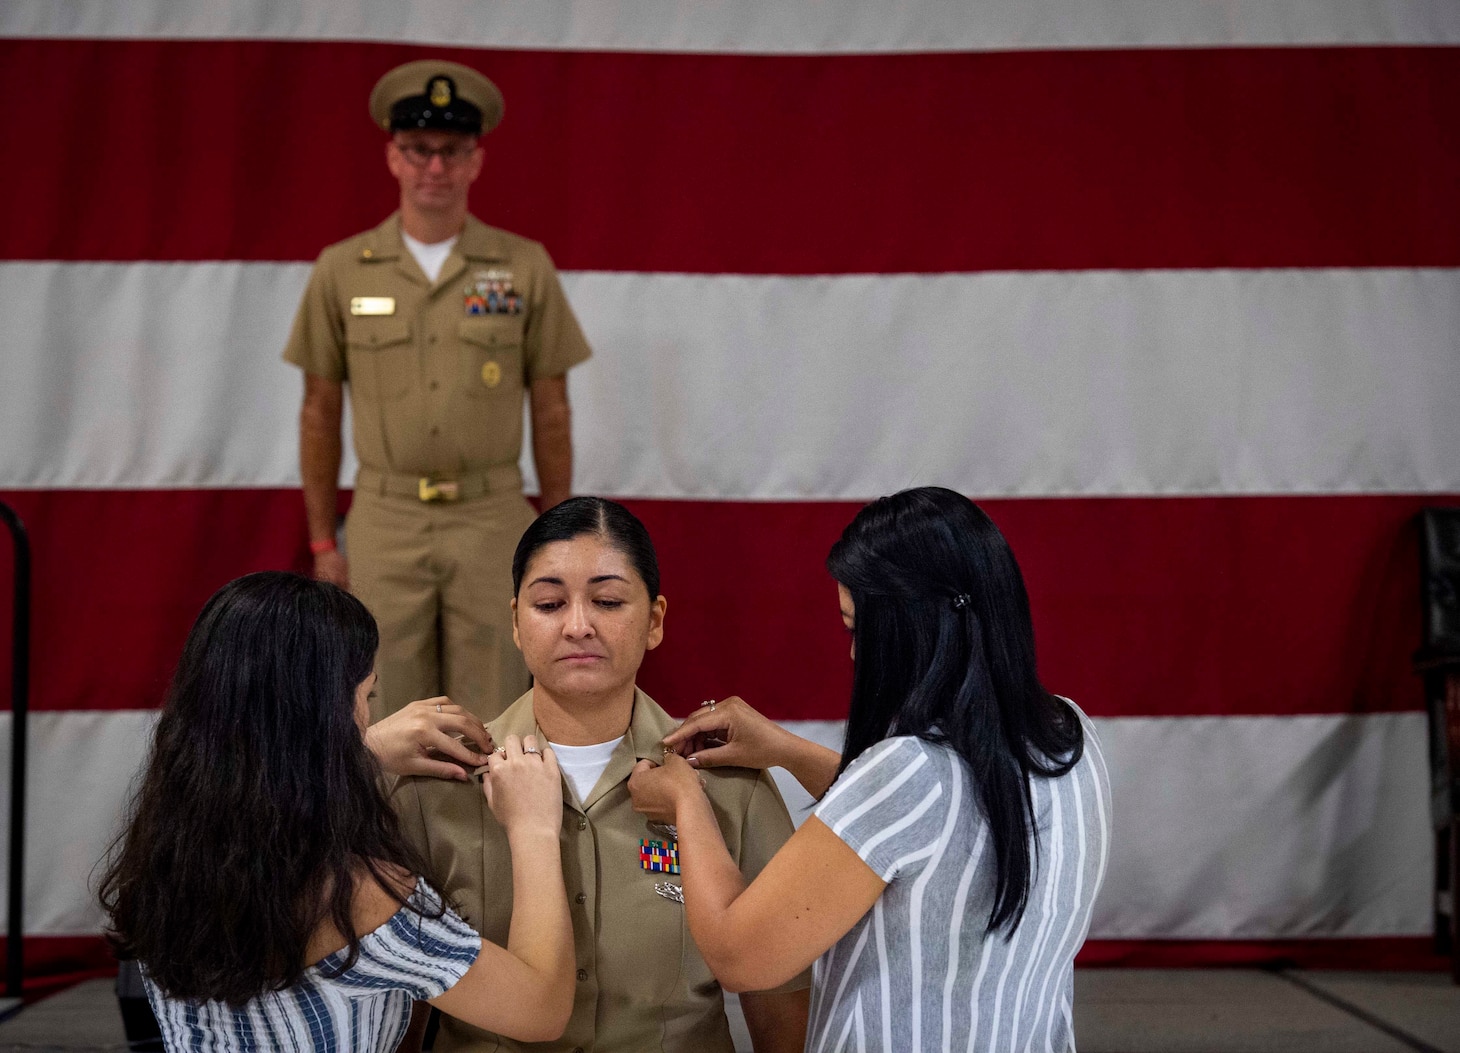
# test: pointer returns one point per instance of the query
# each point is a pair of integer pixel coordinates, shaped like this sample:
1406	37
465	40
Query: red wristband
319	548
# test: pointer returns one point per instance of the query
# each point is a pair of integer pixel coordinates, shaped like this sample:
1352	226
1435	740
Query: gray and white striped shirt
918	972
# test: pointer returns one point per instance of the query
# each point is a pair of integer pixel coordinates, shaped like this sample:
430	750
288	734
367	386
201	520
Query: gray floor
1248	1011
1116	1011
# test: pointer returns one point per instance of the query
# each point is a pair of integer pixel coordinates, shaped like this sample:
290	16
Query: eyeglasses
420	156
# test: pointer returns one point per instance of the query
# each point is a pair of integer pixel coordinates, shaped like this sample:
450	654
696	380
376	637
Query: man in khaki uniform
641	983
440	325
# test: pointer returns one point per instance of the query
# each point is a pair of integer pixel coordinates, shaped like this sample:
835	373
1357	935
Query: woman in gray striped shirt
946	877
263	883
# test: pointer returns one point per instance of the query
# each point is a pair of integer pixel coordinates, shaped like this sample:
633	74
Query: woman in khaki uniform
586	607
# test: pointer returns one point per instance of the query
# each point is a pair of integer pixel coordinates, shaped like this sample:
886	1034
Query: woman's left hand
658	790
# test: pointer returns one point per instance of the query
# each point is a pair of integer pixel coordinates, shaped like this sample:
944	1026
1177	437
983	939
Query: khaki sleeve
766	828
317	340
552	341
406	800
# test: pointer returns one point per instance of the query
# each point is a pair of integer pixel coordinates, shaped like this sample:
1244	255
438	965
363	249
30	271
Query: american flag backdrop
1171	288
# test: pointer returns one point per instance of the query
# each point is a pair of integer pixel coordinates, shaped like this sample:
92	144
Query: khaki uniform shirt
642	984
436	371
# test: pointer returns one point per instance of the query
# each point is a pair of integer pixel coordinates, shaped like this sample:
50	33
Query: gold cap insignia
440	92
491	374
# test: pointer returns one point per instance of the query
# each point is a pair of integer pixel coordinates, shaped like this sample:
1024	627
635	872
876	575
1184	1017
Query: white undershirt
431	257
583	765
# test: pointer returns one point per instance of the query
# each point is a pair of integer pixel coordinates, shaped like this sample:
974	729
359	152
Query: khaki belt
461	486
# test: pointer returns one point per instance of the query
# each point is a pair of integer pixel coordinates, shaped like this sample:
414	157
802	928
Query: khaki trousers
438	579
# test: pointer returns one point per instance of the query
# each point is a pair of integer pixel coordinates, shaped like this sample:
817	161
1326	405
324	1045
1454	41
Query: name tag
372	305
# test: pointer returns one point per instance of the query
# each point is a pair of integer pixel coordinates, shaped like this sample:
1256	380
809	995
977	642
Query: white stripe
898	827
919	759
759	26
821	973
847	969
1100	781
1105	804
1253	827
920	886
1062	946
1229	827
1053	848
960	908
1166	382
79	772
841	1042
1012	955
884	971
977	1026
901	862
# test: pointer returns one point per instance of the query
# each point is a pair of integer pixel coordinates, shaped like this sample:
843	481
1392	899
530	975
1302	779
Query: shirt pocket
491	357
380	355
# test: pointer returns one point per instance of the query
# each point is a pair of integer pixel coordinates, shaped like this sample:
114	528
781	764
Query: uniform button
431	339
582	824
581	897
577	1049
582	975
435	429
435	384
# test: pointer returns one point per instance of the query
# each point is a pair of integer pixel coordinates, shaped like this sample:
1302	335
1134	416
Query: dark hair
590	515
945	651
260	806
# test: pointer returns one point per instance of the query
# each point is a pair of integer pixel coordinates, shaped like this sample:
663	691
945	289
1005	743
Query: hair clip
961	601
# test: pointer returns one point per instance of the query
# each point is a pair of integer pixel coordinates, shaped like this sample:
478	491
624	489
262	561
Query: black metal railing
19	711
1438	662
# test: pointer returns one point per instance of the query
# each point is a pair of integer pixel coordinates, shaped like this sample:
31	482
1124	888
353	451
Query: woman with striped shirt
945	879
263	883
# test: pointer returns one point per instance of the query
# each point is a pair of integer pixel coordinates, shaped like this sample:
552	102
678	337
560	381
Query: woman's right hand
422	739
730	734
524	789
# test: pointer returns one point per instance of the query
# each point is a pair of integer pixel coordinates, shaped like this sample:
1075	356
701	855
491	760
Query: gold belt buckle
437	490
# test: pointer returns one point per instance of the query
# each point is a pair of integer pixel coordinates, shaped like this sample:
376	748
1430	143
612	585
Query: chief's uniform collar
648	724
477	243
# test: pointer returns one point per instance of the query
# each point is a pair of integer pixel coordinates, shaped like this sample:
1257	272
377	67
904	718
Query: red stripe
924	163
119	576
1142	606
53	963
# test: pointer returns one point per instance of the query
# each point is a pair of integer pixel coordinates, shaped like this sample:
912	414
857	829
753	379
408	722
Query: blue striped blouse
365	1008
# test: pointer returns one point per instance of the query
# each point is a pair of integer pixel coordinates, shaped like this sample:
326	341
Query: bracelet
319	548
